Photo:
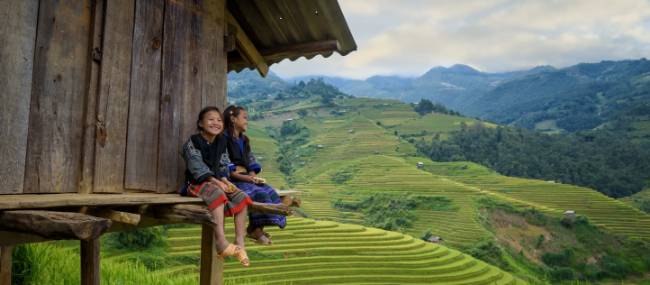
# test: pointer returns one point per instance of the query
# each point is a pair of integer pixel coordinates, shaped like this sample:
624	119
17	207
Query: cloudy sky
407	37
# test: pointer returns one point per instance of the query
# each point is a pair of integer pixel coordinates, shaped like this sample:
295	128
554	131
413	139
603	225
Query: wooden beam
247	48
5	264
278	209
10	238
183	213
90	261
55	225
287	51
211	265
43	201
118	216
302	48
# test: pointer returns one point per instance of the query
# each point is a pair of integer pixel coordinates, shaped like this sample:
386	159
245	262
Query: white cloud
409	37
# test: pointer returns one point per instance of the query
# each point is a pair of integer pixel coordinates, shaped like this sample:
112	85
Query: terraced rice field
555	198
381	162
326	252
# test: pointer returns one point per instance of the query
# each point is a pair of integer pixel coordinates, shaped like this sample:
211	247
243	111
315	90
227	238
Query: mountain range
581	97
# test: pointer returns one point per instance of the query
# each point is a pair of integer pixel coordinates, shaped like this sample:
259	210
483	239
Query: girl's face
212	123
241	121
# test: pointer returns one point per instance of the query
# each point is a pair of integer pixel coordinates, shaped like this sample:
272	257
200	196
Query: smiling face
241	121
211	123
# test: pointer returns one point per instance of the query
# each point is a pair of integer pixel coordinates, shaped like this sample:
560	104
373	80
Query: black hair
202	114
231	112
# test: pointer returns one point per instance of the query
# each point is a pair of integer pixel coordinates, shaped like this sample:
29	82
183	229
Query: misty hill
580	97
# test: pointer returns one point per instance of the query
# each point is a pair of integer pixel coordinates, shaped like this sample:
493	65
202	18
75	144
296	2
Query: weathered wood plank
5	264
213	63
90	116
113	99
54	225
42	201
118	216
17	35
142	144
58	92
211	265
247	48
89	254
173	77
11	238
191	214
191	84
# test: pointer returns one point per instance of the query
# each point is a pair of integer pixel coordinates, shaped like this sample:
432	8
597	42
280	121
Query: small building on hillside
98	97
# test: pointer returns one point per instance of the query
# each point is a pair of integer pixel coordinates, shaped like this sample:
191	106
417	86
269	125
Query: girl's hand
219	184
230	188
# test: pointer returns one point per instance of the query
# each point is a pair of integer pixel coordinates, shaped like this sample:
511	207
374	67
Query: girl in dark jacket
207	171
245	174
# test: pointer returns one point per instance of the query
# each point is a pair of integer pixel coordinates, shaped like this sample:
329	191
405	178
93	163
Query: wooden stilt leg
211	265
5	264
90	262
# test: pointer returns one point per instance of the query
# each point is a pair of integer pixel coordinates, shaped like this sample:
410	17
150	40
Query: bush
614	267
138	239
562	273
561	259
385	211
437	203
489	252
342	176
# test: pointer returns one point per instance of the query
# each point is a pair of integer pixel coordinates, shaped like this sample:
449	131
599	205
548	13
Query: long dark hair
231	112
202	114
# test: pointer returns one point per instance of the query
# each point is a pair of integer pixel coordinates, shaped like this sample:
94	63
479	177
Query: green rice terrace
307	252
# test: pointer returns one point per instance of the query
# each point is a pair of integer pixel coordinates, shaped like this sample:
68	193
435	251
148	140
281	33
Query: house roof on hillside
281	29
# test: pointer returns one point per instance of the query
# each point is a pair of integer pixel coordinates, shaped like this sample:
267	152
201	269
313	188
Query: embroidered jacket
205	160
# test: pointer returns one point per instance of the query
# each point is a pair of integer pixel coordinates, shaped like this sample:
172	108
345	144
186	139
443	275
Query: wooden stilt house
97	96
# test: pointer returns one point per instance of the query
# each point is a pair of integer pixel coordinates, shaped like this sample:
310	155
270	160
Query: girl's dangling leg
219	232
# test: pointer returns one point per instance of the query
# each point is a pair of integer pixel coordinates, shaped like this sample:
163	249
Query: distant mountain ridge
575	98
579	97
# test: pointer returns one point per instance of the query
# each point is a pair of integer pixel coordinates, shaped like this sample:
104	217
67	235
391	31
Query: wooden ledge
44	201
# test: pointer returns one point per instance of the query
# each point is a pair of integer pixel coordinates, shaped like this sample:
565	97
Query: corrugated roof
291	29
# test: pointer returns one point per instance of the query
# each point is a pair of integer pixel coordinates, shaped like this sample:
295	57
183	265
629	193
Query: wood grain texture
211	266
142	141
18	20
90	250
213	63
5	264
54	225
174	55
90	115
113	99
53	160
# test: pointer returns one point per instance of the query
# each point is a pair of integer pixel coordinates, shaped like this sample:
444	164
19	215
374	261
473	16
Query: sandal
236	251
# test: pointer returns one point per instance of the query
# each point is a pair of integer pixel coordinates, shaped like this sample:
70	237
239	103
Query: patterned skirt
214	196
262	194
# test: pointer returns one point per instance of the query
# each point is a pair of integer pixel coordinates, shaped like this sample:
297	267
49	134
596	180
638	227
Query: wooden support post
5	264
211	265
90	262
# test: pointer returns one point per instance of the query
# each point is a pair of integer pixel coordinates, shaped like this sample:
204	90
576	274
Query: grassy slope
382	162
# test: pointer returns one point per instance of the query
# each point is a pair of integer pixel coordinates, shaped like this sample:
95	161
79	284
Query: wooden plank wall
106	91
17	35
